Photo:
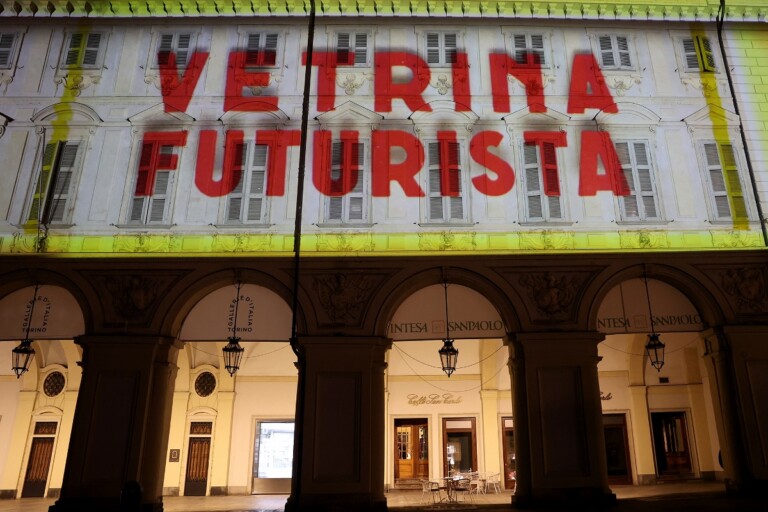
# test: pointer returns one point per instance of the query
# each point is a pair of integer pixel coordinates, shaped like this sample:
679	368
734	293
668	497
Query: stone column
342	454
737	364
559	439
121	424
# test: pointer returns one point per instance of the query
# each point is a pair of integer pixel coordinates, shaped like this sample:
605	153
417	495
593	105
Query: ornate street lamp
233	352
23	354
654	347
448	353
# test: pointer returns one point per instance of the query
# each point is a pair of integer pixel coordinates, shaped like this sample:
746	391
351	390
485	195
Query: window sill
445	224
242	225
145	226
539	223
345	225
639	222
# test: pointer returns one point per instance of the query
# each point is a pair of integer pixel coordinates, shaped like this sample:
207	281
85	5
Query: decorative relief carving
532	84
343	296
447	241
736	238
343	242
643	239
351	82
747	286
620	84
547	240
6	77
553	293
144	242
241	242
442	83
706	84
77	82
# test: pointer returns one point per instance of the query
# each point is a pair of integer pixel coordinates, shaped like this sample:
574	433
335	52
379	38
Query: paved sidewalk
668	497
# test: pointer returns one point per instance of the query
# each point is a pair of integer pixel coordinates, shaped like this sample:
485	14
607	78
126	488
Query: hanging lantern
22	357
233	353
655	350
448	356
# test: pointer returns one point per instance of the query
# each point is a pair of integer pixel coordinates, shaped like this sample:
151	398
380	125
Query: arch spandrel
56	314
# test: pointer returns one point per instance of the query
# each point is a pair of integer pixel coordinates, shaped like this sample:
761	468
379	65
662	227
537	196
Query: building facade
342	189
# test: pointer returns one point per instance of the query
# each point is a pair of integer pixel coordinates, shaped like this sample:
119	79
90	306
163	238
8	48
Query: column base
347	502
572	498
101	505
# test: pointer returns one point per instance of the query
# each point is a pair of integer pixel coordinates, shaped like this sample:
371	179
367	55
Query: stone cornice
653	10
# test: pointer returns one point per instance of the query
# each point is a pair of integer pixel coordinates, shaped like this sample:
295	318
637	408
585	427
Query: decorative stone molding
351	82
442	83
344	297
553	293
747	288
643	239
620	84
6	77
77	83
447	241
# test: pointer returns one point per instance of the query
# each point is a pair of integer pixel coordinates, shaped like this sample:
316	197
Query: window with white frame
52	198
724	183
529	49
8	43
355	43
261	49
446	202
180	43
441	47
247	203
156	175
698	55
84	50
541	176
641	203
614	51
347	162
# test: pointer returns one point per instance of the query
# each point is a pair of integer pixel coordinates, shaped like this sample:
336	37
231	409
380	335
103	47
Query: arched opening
37	409
459	426
233	434
659	424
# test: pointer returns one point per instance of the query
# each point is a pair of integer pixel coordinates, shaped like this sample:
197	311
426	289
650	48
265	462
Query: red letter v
177	93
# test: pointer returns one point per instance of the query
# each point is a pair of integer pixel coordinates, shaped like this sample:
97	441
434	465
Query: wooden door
617	449
37	469
196	482
40	454
670	440
510	467
411	449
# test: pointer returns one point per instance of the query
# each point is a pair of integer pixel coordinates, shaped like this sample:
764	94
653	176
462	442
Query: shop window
84	50
641	203
543	201
348	162
273	453
53	195
724	185
698	54
446	199
614	51
247	203
355	43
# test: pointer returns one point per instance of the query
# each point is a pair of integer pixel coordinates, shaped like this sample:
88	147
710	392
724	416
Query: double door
411	449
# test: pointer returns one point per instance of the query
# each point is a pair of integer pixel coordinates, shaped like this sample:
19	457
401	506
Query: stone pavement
695	496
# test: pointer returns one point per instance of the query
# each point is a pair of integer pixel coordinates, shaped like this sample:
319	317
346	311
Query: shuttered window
247	202
179	43
53	195
155	207
7	47
445	201
698	55
614	52
355	43
261	49
541	176
726	192
442	47
529	49
352	206
83	50
641	203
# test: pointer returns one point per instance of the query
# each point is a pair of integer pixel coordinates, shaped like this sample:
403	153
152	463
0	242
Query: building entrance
196	482
617	449
412	449
459	445
670	440
40	454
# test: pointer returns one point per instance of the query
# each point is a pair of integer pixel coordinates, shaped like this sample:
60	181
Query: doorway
40	455
273	457
617	449
508	446
411	449
198	456
670	443
459	445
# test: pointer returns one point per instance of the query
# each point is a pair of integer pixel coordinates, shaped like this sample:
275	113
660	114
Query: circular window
53	384
205	383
